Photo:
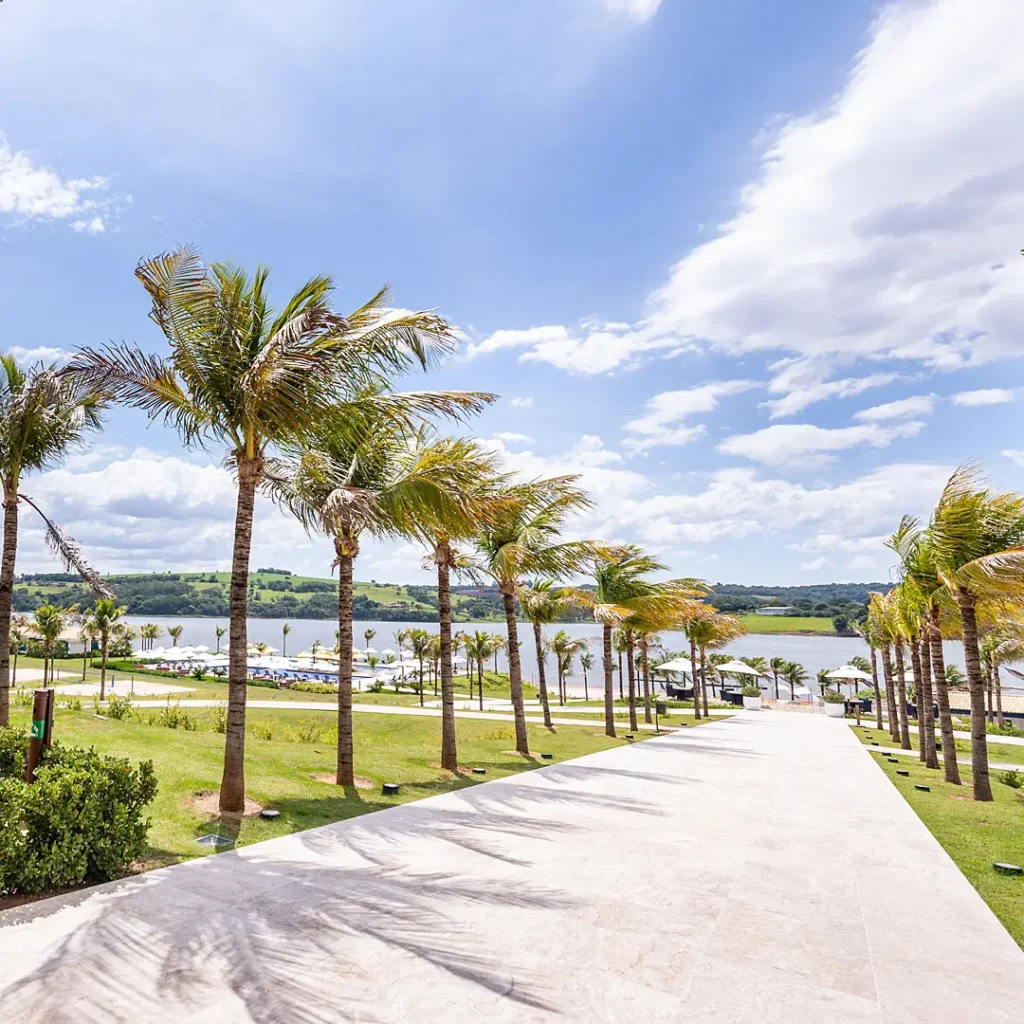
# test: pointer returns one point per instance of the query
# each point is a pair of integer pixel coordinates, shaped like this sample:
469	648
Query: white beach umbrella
849	673
739	668
675	665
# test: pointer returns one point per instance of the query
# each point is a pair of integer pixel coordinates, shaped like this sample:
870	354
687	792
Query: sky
752	269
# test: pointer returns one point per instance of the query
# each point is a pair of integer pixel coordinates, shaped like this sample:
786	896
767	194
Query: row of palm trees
960	576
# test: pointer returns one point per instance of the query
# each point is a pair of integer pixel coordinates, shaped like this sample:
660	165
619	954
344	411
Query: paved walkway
760	869
900	752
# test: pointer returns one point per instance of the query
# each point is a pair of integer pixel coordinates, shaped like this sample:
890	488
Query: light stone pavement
760	869
900	752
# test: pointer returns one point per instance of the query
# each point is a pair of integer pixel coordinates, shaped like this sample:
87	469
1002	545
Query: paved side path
900	752
760	869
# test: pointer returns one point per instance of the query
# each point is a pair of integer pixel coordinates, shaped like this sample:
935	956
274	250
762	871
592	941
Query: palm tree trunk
85	653
232	784
998	686
645	668
693	679
631	670
878	691
901	690
988	690
420	662
542	675
931	757
621	696
479	686
103	667
345	775
15	676
950	768
586	689
890	693
609	684
915	667
10	556
976	685
704	682
515	677
449	750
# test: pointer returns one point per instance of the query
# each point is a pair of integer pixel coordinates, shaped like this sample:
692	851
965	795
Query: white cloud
801	397
32	192
661	423
786	443
1015	455
43	354
833	542
511	437
521	402
861	562
813	565
877	227
904	408
983	396
638	10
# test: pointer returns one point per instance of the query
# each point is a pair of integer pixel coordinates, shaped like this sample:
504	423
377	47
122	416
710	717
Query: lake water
813	652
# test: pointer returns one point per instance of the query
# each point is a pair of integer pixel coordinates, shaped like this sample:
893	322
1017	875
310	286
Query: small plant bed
1000	752
289	753
975	835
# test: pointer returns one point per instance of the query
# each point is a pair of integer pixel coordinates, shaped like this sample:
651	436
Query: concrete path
760	870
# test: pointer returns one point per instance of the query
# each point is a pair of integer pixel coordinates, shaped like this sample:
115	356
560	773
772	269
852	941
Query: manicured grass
788	624
281	773
973	834
1002	752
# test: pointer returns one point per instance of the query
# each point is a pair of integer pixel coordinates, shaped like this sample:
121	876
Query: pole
41	732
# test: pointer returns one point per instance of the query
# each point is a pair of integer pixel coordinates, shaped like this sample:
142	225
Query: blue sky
750	268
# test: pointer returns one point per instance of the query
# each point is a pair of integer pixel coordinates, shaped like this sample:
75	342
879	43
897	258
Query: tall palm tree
479	647
498	644
42	417
174	632
456	479
372	478
103	619
619	647
1002	646
795	675
368	635
543	602
48	623
709	630
626	597
521	539
976	536
20	625
777	666
285	630
869	634
246	376
586	663
565	649
150	633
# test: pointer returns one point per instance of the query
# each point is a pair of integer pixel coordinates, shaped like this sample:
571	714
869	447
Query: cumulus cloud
521	402
1015	455
904	408
511	437
983	396
876	227
800	392
661	424
42	354
813	565
784	444
30	191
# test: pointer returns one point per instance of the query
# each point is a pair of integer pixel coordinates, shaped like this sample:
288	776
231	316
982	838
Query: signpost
41	734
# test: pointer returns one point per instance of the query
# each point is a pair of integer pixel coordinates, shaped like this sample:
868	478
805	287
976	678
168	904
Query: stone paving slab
760	869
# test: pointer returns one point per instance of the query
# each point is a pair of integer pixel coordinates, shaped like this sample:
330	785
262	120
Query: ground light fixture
479	771
1008	869
547	757
215	841
269	813
390	789
903	772
922	787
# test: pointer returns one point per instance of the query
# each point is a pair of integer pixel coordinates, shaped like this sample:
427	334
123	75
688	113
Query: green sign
38	728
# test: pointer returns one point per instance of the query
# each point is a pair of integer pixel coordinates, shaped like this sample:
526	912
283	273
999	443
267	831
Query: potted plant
835	704
752	697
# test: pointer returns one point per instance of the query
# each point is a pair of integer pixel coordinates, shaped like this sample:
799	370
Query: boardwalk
759	869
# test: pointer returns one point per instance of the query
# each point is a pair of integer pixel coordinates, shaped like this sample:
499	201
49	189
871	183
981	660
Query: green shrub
120	708
1011	778
220	718
1006	730
262	730
269	684
314	687
13	747
831	697
174	716
751	690
70	703
22	697
80	821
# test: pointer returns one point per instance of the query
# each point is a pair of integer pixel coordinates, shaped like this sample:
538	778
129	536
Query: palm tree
976	538
565	649
285	630
619	646
368	635
1002	646
543	602
419	643
380	479
316	648
174	632
42	417
520	538
150	633
479	647
625	596
48	623
777	666
103	619
709	630
248	377
586	663
18	639
796	675
824	681
498	644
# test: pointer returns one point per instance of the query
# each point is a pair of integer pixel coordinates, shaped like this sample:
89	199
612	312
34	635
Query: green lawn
1005	752
280	771
788	623
973	834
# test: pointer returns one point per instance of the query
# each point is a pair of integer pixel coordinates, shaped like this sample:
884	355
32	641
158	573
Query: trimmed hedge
80	821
